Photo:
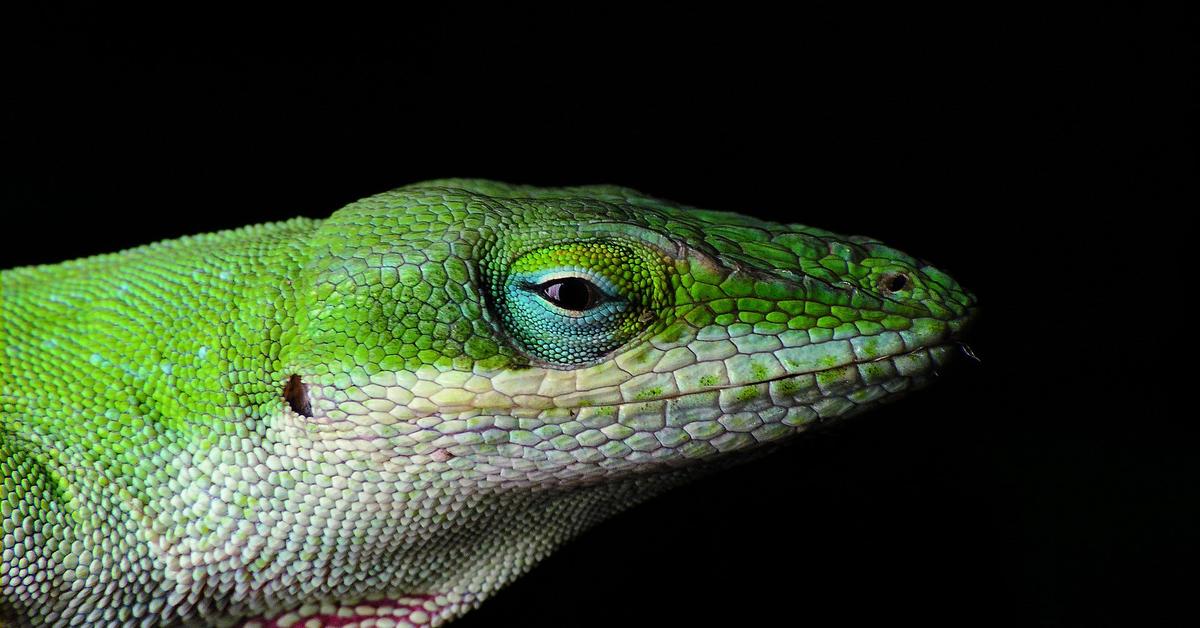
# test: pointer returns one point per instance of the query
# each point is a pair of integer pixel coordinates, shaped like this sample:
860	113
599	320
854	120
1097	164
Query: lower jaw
373	610
824	402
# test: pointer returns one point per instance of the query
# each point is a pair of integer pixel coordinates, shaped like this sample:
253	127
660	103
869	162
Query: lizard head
517	336
478	371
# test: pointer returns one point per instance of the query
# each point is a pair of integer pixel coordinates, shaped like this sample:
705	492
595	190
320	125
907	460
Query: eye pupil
570	293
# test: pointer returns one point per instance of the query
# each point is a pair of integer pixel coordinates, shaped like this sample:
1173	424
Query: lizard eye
571	293
572	304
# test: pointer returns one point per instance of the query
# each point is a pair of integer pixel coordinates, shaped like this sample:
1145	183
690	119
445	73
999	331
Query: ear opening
295	392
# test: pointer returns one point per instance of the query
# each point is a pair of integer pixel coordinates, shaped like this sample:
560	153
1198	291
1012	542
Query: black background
1037	156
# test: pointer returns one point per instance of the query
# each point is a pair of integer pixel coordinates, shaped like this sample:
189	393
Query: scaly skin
395	411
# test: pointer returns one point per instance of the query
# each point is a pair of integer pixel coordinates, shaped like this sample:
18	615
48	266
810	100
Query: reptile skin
383	417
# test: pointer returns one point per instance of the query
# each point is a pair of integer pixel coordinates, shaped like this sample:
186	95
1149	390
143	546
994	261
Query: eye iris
570	293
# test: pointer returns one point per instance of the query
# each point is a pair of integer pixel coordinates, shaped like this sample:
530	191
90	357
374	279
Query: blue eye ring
557	333
568	304
603	295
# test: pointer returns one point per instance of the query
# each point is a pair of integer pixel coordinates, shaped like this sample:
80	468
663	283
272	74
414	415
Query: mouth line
710	389
769	380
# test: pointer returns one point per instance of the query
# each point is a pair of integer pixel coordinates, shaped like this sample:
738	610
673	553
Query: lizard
384	416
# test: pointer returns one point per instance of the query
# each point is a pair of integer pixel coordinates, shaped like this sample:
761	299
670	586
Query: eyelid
608	290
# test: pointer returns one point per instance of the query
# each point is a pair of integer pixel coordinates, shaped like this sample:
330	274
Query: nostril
893	282
296	395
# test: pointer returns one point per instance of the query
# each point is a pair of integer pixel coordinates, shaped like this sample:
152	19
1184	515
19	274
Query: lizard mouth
924	361
831	381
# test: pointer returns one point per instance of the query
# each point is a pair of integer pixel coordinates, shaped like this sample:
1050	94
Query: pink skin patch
414	609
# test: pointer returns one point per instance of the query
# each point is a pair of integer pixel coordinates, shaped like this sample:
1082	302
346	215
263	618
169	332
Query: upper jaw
716	364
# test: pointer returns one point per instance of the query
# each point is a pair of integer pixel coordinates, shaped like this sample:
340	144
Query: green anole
387	415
